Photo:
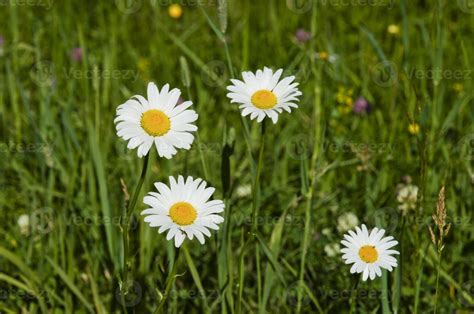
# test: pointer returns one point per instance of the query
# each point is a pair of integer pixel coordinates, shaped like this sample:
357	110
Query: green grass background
61	161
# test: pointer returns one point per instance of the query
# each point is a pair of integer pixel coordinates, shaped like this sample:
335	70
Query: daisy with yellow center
263	94
369	252
184	209
159	120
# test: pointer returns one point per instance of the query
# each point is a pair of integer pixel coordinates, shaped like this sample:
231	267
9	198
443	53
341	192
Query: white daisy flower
159	120
369	252
263	94
184	209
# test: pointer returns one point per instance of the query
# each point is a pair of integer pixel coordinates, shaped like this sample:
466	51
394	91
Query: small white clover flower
24	224
407	197
346	222
332	249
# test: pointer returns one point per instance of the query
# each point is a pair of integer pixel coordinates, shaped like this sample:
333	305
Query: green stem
242	274
418	280
251	238
354	296
256	184
437	282
125	225
384	296
169	283
229	60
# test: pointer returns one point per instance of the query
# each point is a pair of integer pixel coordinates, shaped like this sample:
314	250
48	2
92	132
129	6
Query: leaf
70	284
272	259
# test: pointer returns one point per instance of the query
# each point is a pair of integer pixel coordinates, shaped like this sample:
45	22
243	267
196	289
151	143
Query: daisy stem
255	197
125	225
256	184
169	282
354	295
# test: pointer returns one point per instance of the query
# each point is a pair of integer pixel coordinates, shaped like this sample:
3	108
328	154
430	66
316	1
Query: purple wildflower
361	106
76	54
303	35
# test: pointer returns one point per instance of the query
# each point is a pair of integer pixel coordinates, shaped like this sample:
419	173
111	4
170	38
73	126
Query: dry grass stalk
440	218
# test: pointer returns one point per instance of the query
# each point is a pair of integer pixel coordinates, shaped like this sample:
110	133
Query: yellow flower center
155	122
368	254
183	213
264	99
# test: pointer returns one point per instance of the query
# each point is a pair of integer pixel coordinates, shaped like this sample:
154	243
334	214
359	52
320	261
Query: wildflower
369	252
143	64
407	179
24	224
158	120
263	95
175	11
244	190
414	128
406	197
325	56
361	106
344	99
332	249
326	232
458	88
393	29
303	36
346	222
76	54
184	209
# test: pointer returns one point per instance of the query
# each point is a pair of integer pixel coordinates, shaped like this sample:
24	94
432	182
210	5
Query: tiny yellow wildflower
393	29
458	87
323	55
143	64
414	128
175	11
